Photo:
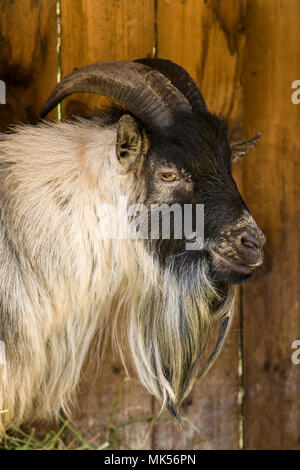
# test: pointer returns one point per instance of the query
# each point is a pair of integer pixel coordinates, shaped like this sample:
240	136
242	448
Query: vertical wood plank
100	30
28	57
207	39
103	30
272	187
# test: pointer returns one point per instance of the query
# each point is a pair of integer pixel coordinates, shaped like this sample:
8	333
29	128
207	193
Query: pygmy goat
62	282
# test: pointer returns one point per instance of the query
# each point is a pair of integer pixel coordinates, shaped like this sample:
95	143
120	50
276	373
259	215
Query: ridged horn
146	93
180	79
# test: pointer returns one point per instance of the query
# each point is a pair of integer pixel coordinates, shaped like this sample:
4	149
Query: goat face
182	154
192	165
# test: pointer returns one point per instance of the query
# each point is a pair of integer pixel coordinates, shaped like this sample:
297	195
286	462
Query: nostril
249	244
251	241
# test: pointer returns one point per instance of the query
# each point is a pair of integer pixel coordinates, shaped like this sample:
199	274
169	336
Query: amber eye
169	177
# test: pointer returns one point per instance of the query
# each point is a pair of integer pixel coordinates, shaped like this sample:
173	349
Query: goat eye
169	177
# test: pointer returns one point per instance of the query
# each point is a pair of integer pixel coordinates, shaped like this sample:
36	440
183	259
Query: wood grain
28	57
207	39
100	30
103	30
244	55
112	408
271	180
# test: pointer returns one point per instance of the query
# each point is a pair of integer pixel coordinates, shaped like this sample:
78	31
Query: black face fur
191	164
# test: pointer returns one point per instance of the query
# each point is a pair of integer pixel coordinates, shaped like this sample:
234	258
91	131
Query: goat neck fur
61	283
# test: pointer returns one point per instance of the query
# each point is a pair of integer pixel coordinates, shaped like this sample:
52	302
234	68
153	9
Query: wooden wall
244	55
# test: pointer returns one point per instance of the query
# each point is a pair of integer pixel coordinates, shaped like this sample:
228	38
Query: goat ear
131	141
239	149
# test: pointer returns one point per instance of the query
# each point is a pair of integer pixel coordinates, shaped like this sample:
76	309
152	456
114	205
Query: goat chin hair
61	284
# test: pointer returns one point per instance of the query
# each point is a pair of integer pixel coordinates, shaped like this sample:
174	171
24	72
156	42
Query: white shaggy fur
61	283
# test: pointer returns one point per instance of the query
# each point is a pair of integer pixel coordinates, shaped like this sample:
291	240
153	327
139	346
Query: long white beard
167	324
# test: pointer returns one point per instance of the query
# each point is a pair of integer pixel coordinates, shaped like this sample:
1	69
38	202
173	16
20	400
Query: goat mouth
231	265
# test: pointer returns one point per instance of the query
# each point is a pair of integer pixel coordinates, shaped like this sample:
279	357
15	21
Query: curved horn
145	92
180	79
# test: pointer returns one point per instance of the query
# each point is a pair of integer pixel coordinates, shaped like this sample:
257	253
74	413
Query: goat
62	283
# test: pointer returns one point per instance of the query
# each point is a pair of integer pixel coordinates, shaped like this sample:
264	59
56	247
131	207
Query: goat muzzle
240	251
